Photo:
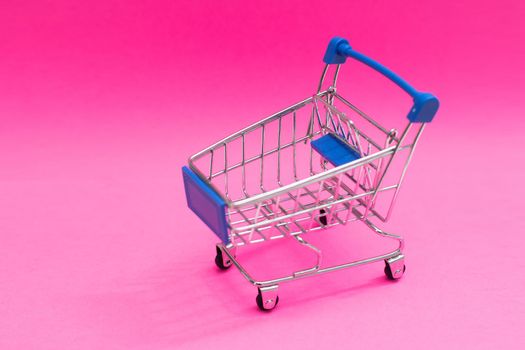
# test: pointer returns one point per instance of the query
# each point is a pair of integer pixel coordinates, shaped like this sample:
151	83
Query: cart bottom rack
267	296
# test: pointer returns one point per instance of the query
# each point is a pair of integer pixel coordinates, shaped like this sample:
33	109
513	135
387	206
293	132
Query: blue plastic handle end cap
424	109
332	55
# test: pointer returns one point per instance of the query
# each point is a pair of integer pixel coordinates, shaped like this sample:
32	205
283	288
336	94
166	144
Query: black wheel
389	274
219	261
322	217
260	303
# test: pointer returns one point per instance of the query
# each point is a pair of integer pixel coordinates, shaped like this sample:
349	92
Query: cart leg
222	260
267	298
395	267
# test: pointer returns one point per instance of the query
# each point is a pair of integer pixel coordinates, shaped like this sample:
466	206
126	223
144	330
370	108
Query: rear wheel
323	218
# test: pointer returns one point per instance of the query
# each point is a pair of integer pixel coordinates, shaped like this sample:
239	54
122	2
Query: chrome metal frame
326	196
316	270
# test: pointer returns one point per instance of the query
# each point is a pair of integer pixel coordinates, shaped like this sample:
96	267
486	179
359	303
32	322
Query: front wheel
394	275
221	260
268	303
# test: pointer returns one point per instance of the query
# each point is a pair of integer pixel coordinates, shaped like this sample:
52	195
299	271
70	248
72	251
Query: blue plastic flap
334	150
206	203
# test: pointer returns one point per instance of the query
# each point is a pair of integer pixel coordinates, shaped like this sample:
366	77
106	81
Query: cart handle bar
425	104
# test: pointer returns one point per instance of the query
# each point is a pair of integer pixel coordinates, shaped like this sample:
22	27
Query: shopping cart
317	164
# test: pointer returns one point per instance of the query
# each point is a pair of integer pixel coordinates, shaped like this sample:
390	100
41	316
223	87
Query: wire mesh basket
317	164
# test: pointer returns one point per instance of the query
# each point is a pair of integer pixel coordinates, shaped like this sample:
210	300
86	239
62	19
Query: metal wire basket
319	163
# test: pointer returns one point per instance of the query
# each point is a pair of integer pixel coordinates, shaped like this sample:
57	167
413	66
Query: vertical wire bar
380	164
294	142
211	165
335	209
409	158
356	188
265	207
312	121
297	196
311	161
247	220
328	118
297	205
315	112
369	168
257	212
350	124
394	153
309	130
262	158
226	172
358	139
336	197
336	74
316	109
322	78
276	203
279	152
243	162
340	127
317	200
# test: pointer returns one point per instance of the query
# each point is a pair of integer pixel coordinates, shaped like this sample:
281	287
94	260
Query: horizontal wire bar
314	179
342	115
314	208
267	153
256	125
364	115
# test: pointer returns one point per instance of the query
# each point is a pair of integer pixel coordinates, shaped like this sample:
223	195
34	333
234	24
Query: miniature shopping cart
317	164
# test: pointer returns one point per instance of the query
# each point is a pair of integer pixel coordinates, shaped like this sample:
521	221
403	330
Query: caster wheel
268	305
219	260
390	275
323	218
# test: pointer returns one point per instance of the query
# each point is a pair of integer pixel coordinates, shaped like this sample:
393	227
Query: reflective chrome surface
276	186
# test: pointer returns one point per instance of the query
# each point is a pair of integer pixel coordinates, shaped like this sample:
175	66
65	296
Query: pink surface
101	103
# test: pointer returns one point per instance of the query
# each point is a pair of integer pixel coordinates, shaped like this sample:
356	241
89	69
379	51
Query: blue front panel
334	150
207	204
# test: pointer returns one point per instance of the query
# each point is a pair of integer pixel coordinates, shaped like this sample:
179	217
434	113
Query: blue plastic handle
425	104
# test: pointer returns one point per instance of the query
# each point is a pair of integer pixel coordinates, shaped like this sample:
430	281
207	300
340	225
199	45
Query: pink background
101	103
